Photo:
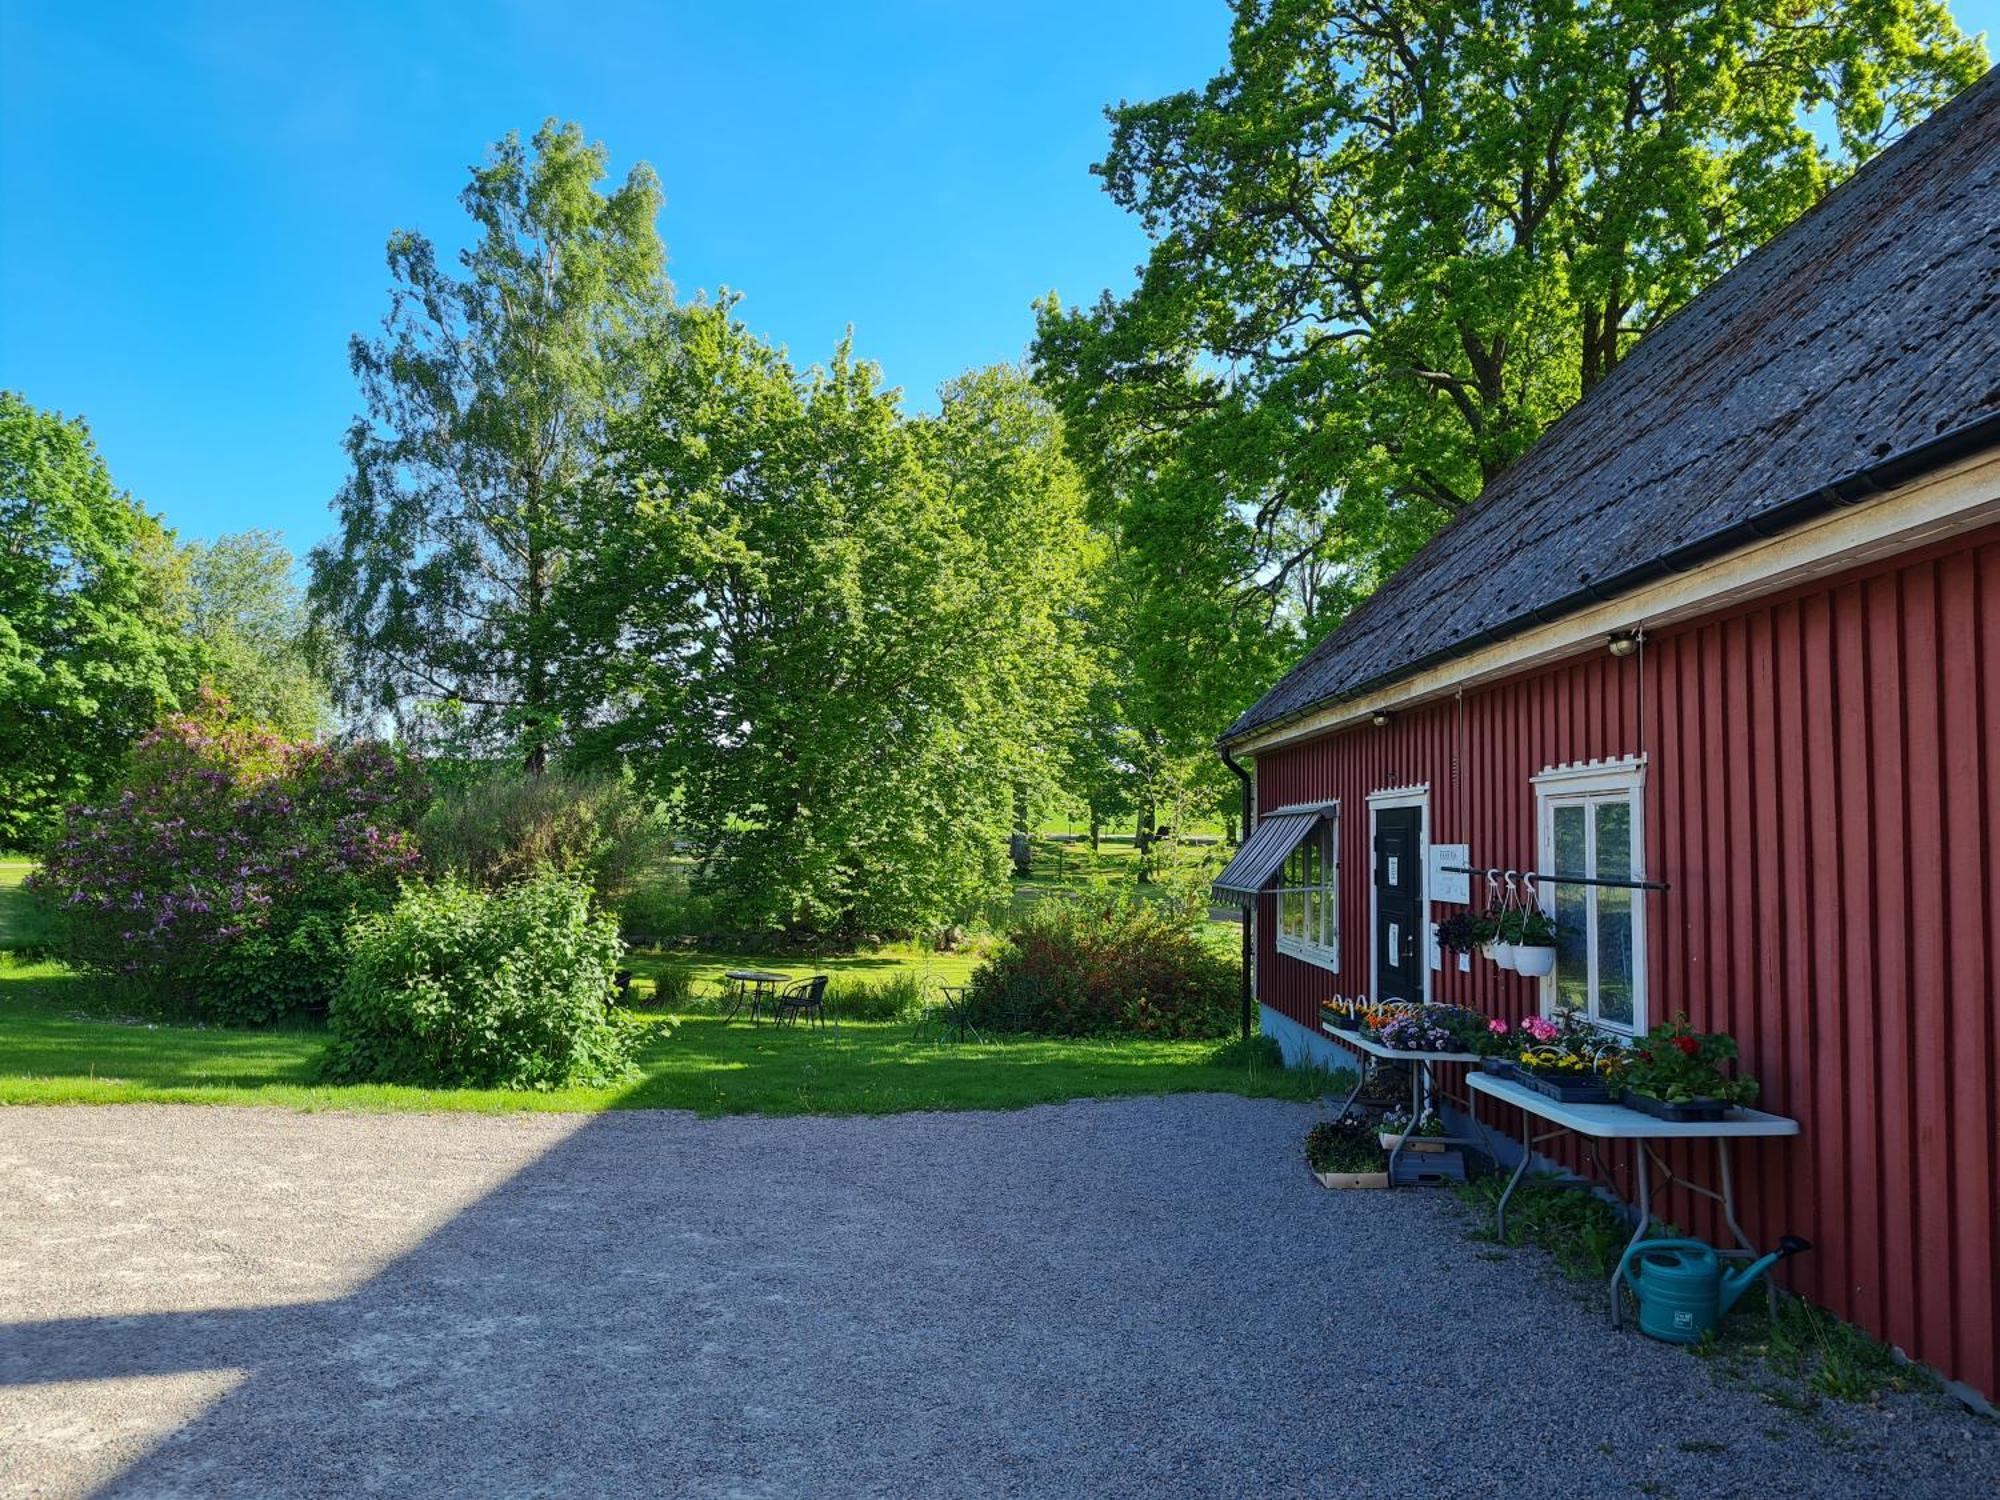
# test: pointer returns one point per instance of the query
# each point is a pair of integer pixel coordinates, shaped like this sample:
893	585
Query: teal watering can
1682	1289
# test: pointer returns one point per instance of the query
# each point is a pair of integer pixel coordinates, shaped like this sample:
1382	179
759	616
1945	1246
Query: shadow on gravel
1140	1298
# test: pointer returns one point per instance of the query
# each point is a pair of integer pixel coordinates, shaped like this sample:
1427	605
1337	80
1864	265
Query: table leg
1520	1171
1645	1175
1727	1170
1417	1074
1360	1077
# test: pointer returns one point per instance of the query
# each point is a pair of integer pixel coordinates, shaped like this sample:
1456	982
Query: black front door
1399	900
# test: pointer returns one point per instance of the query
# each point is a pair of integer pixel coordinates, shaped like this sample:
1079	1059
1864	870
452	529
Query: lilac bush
223	876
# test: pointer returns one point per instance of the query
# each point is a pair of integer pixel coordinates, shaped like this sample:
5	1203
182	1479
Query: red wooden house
1732	628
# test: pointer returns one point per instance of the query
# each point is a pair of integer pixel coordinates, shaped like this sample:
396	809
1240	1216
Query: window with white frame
1309	896
1591	821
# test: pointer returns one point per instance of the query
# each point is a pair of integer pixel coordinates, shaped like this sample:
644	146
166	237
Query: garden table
751	984
1422	1086
1614	1122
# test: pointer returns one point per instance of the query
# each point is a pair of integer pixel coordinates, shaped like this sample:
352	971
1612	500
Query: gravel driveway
1146	1298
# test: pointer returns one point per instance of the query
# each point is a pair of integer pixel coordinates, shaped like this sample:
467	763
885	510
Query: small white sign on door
1395	942
1394	864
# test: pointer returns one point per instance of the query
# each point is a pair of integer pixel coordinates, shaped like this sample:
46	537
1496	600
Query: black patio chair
806	998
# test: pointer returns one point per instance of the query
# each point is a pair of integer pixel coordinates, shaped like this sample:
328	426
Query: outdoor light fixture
1379	717
1624	642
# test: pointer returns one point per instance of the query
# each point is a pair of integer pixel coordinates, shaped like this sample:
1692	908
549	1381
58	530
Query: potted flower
1345	1154
1535	944
1396	1130
1567	1060
1676	1073
1496	1043
1506	936
1417	1031
1465	932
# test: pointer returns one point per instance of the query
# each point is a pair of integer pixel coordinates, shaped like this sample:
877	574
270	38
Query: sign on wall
1445	885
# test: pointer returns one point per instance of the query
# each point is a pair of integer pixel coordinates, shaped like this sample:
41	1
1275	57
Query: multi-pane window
1591	821
1309	897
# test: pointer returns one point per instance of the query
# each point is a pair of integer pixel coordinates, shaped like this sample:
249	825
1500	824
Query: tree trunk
1142	839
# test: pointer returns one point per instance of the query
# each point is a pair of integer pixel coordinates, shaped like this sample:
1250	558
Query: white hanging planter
1503	956
1534	961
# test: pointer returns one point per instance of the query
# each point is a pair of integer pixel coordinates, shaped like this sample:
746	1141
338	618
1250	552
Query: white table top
1614	1122
1375	1049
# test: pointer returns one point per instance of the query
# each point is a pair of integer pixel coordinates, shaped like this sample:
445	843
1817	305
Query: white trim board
1958	498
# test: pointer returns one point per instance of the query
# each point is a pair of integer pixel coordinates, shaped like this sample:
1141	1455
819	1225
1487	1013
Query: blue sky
195	196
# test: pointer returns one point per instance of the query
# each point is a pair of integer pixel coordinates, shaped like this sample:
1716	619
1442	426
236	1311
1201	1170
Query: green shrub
30	928
221	879
892	998
1103	965
673	988
502	826
459	987
661	907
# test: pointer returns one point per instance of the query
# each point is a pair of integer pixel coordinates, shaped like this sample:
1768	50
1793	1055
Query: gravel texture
1147	1298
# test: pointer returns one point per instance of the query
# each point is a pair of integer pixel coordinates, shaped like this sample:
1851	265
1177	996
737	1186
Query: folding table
1614	1122
1422	1085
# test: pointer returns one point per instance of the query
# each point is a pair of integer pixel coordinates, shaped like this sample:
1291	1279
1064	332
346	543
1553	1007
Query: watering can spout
1736	1283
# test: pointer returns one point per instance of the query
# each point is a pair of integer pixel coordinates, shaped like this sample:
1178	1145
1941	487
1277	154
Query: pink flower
1497	1026
1541	1028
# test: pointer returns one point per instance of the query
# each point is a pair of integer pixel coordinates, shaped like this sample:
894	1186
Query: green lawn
62	1040
57	1045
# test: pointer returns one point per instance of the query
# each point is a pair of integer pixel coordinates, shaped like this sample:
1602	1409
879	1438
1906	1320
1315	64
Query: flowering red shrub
222	878
1085	968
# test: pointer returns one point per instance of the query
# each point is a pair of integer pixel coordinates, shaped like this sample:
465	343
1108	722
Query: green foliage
486	398
1345	1145
221	879
1675	1062
246	616
1253	1051
673	987
89	660
1105	965
503	826
30	929
839	639
1391	244
457	987
661	908
893	997
1834	1358
1581	1230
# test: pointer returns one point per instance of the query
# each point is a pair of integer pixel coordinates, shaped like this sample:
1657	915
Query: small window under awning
1276	836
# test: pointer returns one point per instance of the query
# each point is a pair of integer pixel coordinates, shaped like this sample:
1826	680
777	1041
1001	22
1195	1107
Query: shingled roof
1856	349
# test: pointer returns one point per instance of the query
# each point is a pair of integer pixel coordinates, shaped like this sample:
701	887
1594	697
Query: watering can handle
1641	1247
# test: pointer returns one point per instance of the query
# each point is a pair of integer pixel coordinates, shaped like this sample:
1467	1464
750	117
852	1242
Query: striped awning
1277	835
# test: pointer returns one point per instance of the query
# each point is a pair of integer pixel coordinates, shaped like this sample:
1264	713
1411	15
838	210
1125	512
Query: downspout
1250	910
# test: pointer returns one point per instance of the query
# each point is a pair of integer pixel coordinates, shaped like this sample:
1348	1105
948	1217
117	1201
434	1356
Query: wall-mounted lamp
1624	642
1379	718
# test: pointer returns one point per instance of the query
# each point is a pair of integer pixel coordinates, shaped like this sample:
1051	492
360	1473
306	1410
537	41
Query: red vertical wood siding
1823	796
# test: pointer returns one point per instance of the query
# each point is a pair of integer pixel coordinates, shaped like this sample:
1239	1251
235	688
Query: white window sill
1310	953
1612	1031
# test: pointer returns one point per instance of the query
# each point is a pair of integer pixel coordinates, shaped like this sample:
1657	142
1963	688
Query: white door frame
1419	797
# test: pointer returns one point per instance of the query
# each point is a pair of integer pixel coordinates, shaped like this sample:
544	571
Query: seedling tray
1565	1090
1683	1111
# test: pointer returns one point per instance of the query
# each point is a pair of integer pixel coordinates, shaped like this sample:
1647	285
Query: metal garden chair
807	999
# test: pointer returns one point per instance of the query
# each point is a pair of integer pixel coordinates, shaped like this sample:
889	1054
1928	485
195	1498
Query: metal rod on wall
1498	874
